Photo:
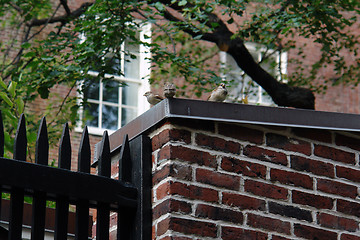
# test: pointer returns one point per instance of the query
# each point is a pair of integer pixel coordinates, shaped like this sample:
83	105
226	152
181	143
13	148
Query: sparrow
218	94
153	99
169	90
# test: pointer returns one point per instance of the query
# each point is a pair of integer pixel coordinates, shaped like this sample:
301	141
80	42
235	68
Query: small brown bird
169	90
218	94
153	99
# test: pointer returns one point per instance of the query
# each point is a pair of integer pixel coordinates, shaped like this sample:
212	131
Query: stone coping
232	113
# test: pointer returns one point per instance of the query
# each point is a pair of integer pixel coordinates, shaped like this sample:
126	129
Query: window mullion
120	89
100	103
259	88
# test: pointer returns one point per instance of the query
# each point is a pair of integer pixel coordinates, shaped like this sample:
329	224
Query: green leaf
20	105
159	6
30	54
6	99
182	3
11	88
26	45
2	83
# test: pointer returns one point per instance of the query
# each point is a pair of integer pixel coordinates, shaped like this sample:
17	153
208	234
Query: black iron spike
17	194
125	166
103	209
104	168
42	144
1	136
82	206
39	200
84	152
20	141
62	202
65	149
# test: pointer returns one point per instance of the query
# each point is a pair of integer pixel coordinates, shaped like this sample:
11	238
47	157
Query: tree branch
64	18
66	7
44	25
282	94
16	7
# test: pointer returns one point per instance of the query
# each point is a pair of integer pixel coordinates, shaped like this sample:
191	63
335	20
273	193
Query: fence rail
129	196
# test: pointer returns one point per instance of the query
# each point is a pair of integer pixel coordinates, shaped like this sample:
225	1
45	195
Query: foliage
49	42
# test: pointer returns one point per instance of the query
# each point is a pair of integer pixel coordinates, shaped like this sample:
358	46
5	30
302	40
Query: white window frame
280	58
143	81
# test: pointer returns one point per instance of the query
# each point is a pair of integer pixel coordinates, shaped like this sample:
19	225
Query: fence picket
39	200
125	164
82	206
103	209
126	216
1	151
17	194
1	137
62	202
127	195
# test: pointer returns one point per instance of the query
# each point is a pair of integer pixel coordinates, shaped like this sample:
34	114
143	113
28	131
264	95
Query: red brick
347	141
290	211
291	178
188	191
313	166
289	144
267	223
199	228
313	134
265	155
231	233
241	133
319	202
186	154
337	188
334	154
308	232
170	135
218	213
347	207
171	206
348	173
218	179
217	144
153	236
163	227
265	190
242	167
243	202
339	223
345	236
173	170
163	190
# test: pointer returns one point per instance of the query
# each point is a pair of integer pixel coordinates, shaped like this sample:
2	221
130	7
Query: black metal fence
129	196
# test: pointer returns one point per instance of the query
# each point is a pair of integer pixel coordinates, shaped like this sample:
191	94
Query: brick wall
227	181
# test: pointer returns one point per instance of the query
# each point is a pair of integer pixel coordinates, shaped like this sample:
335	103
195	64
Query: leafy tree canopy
41	45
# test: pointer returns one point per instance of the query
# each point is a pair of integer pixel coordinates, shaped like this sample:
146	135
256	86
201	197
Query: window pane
91	113
131	65
91	91
110	117
130	94
111	91
127	115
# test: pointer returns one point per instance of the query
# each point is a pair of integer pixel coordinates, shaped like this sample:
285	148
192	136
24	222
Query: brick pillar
229	181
